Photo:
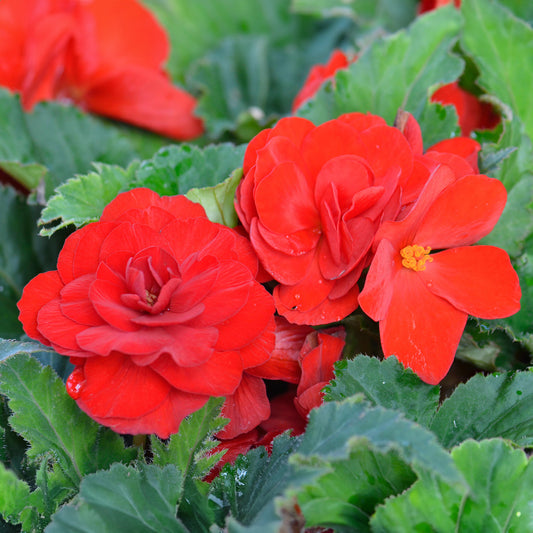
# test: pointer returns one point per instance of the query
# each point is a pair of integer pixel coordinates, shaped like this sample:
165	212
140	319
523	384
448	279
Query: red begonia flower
319	74
430	5
157	307
473	113
422	299
75	50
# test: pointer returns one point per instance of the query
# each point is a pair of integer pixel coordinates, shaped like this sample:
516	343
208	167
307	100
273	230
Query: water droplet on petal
297	296
75	382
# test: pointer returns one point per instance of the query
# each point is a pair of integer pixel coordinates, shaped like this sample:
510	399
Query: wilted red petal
463	213
148	99
39	291
422	330
246	408
410	128
478	280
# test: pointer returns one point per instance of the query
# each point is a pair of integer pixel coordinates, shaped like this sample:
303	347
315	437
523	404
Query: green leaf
346	497
195	28
335	427
497	497
218	200
397	72
53	425
387	384
177	169
247	487
18	504
59	138
82	199
23	254
390	15
124	499
492	35
488	406
188	448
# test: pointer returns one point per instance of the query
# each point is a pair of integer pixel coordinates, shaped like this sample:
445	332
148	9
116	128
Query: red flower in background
106	56
422	299
319	74
302	357
473	113
429	5
157	307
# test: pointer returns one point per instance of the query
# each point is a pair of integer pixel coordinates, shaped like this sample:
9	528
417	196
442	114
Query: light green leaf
497	497
346	497
57	138
187	449
335	427
218	200
177	169
488	406
387	384
82	199
53	425
397	72
123	498
17	504
491	36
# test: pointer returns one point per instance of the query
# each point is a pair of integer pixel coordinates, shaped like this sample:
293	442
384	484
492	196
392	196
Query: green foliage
497	496
397	73
385	383
82	199
64	443
138	500
54	142
23	254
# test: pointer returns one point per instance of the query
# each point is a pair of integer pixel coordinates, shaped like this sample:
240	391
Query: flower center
415	257
150	297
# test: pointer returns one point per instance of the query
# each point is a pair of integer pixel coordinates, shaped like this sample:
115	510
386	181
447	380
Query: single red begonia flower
158	309
319	74
423	299
473	113
106	56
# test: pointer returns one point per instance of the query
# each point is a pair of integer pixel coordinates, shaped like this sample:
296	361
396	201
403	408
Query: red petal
410	128
145	98
422	330
284	201
39	291
260	349
463	213
377	293
75	303
362	121
220	375
478	280
253	146
462	146
246	408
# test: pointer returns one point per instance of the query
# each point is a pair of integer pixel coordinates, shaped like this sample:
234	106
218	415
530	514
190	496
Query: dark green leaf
488	406
124	499
386	384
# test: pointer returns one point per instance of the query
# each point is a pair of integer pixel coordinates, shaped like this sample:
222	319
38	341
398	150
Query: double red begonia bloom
423	299
157	307
106	56
313	197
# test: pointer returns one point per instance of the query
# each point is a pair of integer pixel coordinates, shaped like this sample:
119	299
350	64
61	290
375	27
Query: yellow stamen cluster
415	257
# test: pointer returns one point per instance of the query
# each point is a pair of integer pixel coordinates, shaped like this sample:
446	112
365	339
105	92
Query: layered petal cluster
302	360
313	197
158	309
106	56
426	279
